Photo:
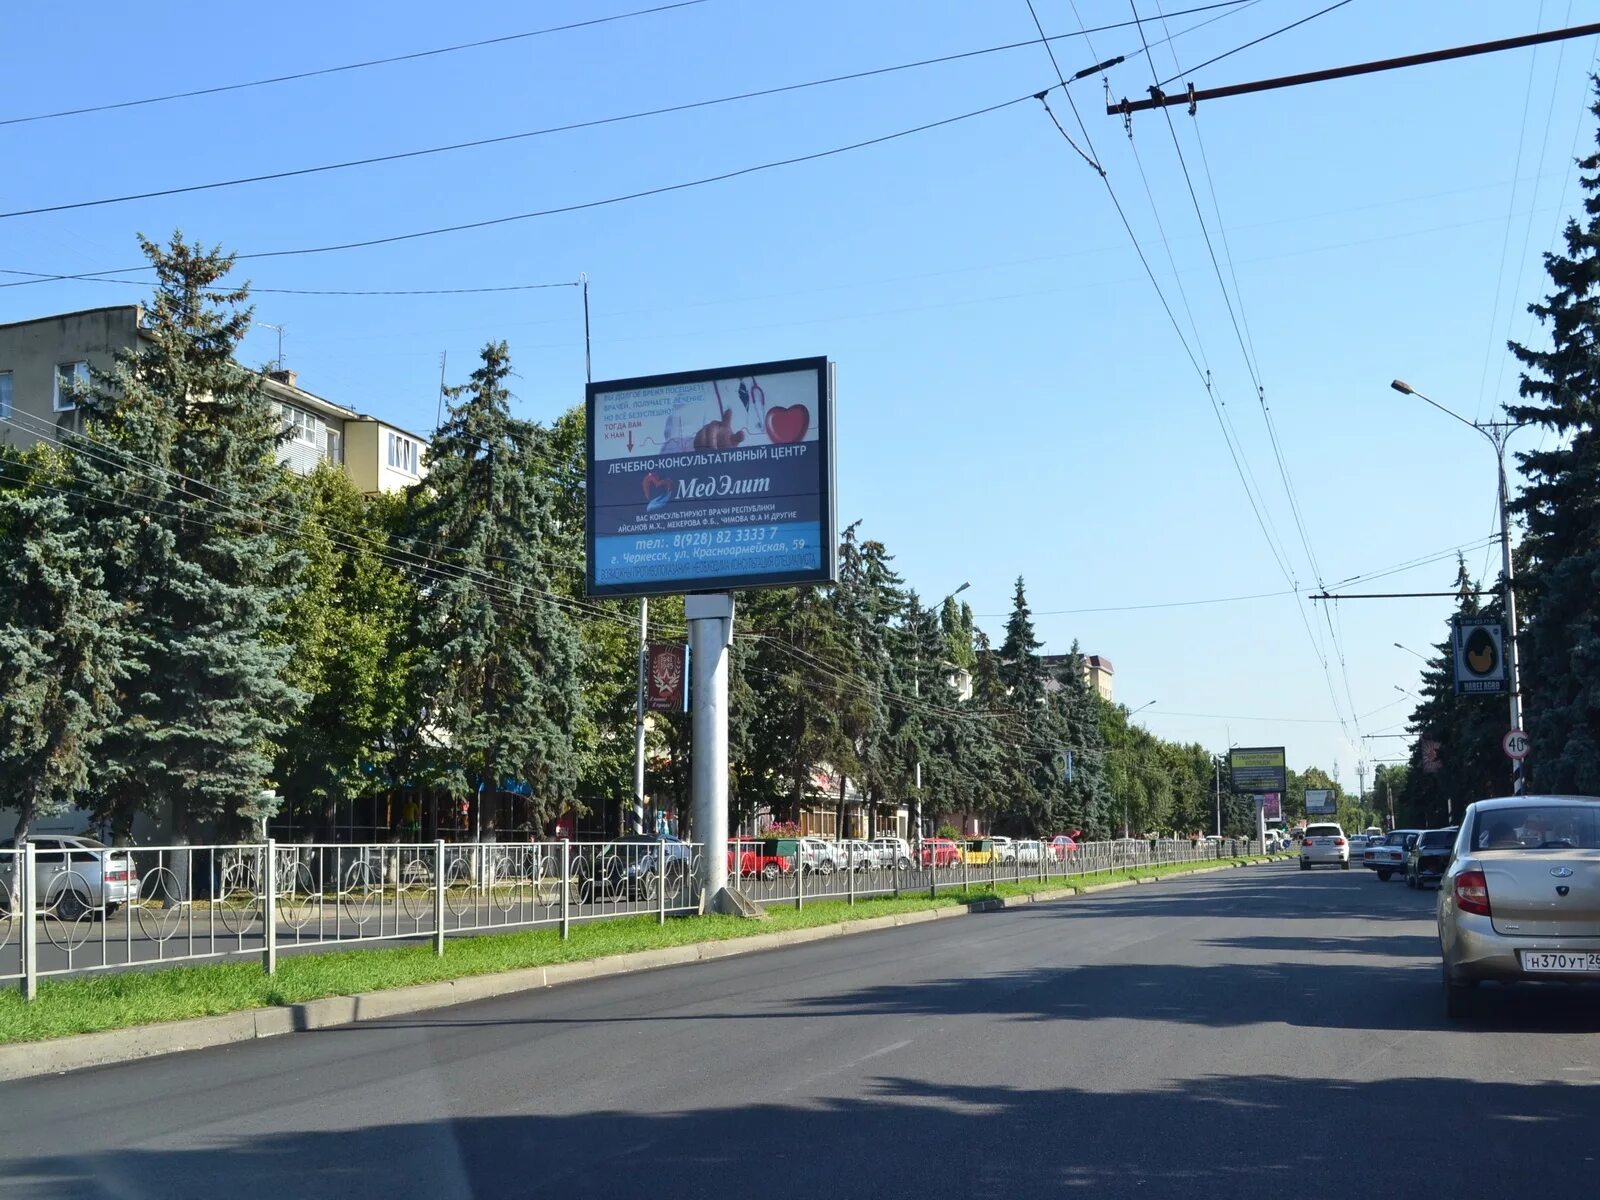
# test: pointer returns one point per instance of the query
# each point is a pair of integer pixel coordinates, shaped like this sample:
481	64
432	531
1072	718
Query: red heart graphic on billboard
655	486
788	424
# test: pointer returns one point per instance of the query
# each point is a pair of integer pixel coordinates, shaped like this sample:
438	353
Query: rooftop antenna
438	409
278	329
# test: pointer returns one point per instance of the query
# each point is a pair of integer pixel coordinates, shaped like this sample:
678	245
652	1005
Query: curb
76	1052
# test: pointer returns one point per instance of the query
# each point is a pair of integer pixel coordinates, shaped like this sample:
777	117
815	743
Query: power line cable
689	106
273	291
355	66
610	200
1505	242
1255	42
1527	231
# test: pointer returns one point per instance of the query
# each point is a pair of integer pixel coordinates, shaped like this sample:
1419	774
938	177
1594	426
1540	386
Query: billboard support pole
710	618
638	720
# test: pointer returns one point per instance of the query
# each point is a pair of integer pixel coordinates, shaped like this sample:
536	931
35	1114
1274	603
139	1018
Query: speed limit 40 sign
1515	744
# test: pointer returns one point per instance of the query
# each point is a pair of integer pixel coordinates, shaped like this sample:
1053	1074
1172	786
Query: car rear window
1537	827
1435	838
1324	831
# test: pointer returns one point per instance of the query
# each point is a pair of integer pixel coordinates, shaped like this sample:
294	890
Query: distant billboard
711	480
1321	802
1272	806
1258	769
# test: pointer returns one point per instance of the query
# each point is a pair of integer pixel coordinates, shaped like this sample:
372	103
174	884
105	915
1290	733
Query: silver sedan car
1520	900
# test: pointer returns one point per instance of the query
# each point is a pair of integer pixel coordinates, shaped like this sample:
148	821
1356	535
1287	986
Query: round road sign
1515	744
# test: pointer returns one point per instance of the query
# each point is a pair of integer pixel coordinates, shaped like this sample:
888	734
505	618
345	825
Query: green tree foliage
1560	583
351	623
62	643
1087	802
178	477
497	657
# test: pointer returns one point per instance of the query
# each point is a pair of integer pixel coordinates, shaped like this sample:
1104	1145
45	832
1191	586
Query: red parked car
1061	847
940	852
754	859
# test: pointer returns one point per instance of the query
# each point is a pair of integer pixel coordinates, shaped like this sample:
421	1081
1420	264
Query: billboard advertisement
711	480
1258	769
1321	802
666	677
1272	806
1479	644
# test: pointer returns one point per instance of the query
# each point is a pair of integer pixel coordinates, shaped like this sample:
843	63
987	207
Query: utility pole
638	720
1191	96
1216	762
1497	433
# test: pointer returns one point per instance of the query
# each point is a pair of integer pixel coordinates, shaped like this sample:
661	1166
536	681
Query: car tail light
121	876
1472	893
1338	841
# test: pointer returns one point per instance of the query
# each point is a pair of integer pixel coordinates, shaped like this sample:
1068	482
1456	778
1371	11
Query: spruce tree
62	643
352	625
1560	584
498	657
1086	795
180	482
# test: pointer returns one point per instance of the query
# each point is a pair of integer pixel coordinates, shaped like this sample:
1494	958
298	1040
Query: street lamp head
961	589
1404	388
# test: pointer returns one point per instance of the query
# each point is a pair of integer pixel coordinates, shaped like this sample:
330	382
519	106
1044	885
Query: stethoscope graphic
753	394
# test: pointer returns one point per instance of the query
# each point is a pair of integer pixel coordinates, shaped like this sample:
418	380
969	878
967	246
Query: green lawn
109	1000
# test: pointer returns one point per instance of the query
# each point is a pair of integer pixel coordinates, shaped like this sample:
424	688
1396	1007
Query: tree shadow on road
1246	1138
1397	945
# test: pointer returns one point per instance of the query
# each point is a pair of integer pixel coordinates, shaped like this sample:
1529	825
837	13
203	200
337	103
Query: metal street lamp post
1131	714
1497	432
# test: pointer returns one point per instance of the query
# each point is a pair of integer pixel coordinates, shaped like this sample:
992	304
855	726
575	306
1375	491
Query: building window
72	383
335	446
302	426
5	395
403	453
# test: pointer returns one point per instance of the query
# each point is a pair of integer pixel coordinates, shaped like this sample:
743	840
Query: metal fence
75	910
841	871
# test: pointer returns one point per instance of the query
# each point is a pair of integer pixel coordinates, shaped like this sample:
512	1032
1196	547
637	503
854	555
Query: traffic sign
1515	744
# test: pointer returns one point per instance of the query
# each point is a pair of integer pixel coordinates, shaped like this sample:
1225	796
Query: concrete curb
77	1052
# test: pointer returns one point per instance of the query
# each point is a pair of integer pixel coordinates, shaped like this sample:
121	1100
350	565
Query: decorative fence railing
72	910
68	911
843	872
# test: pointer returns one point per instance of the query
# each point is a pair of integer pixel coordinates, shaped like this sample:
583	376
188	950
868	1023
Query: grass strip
116	1000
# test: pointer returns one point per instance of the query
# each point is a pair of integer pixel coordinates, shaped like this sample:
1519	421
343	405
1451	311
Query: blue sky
1012	399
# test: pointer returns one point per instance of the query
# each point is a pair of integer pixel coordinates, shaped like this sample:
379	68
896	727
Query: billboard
666	677
1479	644
711	480
1258	769
1272	806
1321	802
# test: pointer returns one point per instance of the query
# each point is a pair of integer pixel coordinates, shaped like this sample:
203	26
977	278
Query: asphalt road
1252	1033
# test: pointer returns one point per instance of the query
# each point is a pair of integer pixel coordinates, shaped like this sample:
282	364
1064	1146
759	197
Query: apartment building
43	361
1098	673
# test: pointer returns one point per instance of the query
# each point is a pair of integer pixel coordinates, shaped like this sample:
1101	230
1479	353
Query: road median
109	1018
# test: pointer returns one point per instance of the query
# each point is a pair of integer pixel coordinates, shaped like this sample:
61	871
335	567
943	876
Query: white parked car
818	854
1324	845
1027	851
863	856
78	876
1005	850
896	852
